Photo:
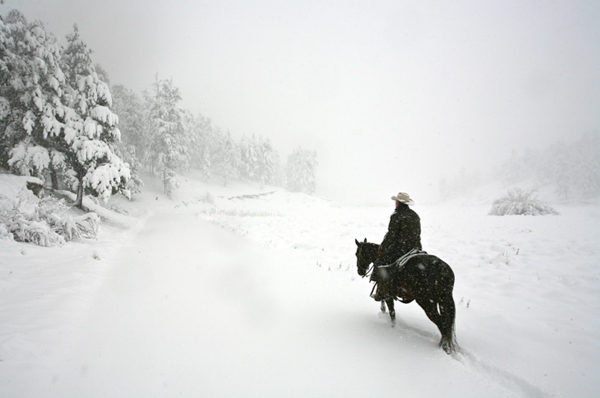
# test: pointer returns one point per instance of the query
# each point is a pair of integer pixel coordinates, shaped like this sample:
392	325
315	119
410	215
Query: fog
391	94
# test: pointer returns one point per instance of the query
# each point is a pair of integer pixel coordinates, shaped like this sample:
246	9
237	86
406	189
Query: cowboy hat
403	198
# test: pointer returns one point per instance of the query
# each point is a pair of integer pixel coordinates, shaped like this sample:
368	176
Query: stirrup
373	292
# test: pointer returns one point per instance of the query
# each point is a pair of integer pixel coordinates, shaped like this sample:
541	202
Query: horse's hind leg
447	323
390	304
383	309
431	309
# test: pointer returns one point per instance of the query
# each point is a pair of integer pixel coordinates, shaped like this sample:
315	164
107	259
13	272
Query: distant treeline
60	120
573	168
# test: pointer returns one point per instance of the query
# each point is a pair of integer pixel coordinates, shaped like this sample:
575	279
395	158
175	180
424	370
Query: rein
369	270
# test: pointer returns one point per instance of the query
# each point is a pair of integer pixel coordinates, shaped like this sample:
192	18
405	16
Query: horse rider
403	235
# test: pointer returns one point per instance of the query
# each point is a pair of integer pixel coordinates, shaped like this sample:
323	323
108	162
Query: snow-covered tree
31	91
258	160
192	126
201	135
134	145
90	127
168	148
267	162
301	171
225	157
248	158
57	111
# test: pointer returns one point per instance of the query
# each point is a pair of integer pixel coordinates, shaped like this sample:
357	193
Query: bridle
368	268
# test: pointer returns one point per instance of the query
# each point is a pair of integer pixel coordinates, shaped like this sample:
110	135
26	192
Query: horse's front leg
383	309
390	305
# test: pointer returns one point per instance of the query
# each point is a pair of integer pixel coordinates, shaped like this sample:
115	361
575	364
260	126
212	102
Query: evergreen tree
301	171
258	160
267	162
31	90
248	158
168	148
90	127
65	121
225	157
134	145
201	141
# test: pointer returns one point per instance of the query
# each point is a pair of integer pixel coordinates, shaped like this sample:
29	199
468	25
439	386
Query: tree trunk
165	182
79	200
54	177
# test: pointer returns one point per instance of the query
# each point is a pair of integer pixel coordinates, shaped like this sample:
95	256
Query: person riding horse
403	235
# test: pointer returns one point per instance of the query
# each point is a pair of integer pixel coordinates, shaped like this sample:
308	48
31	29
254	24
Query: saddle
396	266
401	262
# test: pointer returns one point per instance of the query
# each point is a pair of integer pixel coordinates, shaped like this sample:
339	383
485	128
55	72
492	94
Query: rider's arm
391	238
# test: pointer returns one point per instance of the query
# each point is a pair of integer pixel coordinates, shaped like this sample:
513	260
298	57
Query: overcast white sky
391	94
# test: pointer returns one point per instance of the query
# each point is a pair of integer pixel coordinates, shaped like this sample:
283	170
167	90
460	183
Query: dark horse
424	278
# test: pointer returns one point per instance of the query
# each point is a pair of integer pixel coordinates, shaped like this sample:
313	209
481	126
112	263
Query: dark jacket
403	235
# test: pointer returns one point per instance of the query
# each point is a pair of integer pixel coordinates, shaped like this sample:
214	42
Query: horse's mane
371	245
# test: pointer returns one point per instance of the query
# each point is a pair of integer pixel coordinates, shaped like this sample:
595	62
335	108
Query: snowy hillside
241	291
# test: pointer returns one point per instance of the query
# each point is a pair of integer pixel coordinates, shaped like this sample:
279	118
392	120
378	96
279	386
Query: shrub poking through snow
45	222
207	198
519	202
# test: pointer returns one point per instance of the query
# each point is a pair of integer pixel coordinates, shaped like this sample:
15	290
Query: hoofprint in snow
279	301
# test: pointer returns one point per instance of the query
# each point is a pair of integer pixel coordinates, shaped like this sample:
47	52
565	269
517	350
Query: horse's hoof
448	347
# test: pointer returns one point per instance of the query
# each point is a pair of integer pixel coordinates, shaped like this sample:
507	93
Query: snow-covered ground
246	292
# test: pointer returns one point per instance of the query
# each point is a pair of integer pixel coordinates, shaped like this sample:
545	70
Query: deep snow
231	294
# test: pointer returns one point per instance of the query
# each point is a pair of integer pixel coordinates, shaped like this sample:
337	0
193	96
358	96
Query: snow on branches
43	221
29	159
519	202
56	112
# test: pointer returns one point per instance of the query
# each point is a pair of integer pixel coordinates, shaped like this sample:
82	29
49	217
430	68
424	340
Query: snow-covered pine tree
258	160
225	157
134	145
90	127
31	87
206	163
202	144
301	171
248	158
267	161
168	149
192	128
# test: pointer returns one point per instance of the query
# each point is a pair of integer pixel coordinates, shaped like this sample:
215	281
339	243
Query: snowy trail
189	309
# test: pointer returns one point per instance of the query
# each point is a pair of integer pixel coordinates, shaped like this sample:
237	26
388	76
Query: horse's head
364	256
